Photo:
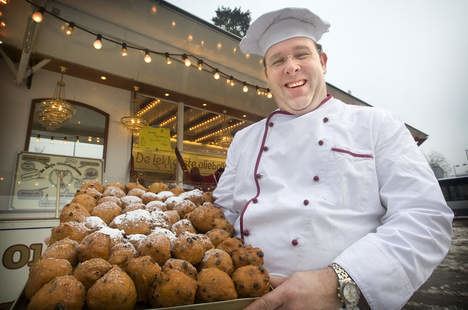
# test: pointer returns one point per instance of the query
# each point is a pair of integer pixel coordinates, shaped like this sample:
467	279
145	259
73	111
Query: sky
406	56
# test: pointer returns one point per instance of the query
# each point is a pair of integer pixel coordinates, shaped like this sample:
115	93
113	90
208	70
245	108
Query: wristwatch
348	291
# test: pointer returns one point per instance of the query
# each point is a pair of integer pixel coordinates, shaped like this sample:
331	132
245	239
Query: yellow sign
166	162
157	139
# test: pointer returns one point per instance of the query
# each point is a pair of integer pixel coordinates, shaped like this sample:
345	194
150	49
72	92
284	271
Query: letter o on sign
9	256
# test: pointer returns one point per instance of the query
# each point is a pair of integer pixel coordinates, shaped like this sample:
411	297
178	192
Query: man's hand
303	290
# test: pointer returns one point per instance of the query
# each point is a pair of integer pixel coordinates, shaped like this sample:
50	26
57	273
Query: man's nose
291	66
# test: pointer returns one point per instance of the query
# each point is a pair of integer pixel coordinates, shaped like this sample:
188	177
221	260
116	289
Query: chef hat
277	26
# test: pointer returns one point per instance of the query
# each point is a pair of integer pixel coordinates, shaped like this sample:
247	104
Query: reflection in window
50	145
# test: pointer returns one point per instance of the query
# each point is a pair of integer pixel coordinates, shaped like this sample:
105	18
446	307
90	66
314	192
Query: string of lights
187	59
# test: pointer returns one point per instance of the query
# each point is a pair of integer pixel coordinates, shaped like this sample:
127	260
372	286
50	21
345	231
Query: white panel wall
15	103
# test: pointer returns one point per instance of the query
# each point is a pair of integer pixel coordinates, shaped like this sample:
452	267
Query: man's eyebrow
295	49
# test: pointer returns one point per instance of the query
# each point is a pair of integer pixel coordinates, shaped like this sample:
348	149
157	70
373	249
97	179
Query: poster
38	176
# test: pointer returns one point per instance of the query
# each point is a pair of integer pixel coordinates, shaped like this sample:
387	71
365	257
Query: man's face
295	75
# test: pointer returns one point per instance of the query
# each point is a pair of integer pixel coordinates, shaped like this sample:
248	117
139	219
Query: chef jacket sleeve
390	264
224	192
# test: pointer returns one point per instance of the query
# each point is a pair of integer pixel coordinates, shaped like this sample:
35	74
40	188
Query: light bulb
232	82
77	139
216	75
258	91
187	61
269	95
37	16
154	9
124	50
69	29
98	42
228	81
147	57
200	65
90	139
168	59
245	88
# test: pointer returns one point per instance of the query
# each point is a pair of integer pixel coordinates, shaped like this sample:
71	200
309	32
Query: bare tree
439	164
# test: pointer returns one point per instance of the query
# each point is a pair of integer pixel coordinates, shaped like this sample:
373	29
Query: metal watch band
343	277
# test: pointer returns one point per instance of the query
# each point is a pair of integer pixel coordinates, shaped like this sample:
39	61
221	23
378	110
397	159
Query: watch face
351	293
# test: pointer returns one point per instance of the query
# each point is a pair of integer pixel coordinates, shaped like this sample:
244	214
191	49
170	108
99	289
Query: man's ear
323	61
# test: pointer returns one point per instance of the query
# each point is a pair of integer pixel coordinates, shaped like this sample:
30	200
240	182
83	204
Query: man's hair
318	48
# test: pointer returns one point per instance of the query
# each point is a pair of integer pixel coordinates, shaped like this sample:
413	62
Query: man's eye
302	56
277	62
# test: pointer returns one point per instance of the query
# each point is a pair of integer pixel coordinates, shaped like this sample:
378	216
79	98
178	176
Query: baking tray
236	304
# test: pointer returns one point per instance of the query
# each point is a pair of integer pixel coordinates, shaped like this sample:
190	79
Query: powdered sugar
164	195
116	235
155	205
193	193
94	222
133	216
174	200
130	199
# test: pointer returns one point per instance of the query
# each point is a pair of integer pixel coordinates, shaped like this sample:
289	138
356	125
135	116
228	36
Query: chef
339	197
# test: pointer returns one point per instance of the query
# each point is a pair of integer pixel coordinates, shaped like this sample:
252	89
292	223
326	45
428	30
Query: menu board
39	176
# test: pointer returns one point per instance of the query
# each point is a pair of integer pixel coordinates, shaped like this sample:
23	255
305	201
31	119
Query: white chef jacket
344	184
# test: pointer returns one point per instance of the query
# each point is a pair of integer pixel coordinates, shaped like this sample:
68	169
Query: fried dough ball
148	196
182	266
203	217
155	205
136	192
157	246
121	252
87	201
208	196
164	195
177	190
143	271
195	196
88	272
107	211
189	247
73	212
73	230
223	224
91	192
94	223
207	245
65	249
251	281
217	236
92	184
132	185
136	239
172	201
114	290
165	232
44	271
133	207
216	258
215	285
111	198
182	226
172	216
113	191
247	256
184	207
230	244
94	245
127	200
134	222
157	187
115	184
173	288
63	292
